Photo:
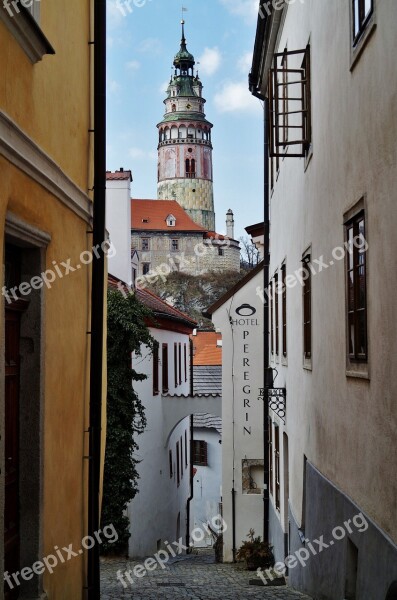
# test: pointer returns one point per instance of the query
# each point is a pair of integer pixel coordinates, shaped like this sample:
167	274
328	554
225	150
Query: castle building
185	171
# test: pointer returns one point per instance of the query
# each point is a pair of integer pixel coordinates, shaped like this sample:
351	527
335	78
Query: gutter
187	543
97	295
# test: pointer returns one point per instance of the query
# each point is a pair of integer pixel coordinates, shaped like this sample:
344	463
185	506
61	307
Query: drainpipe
191	489
97	295
268	373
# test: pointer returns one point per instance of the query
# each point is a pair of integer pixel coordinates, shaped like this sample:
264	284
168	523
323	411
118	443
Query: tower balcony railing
191	175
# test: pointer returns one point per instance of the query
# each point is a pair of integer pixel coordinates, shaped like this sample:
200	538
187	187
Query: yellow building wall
50	101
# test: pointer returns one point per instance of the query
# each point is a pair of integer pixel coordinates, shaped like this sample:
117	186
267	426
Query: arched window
182	132
190	168
191	133
174	108
167	134
174	133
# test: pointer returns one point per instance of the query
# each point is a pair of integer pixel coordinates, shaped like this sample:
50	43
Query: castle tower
185	148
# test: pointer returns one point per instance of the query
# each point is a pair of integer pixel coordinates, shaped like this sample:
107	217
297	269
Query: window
180	363
221	252
290	103
171	466
171	221
276	310
284	308
356	266
200	453
277	465
174	245
185	361
186	459
307	309
155	369
271	457
176	364
145	268
362	13
271	316
178	466
145	244
164	368
190	168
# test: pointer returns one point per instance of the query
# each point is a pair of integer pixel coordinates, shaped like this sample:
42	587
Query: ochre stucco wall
50	102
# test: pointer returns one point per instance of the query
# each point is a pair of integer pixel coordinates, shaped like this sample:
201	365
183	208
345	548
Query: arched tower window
174	108
190	168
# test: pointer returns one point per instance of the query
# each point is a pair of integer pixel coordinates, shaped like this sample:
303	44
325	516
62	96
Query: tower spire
183	40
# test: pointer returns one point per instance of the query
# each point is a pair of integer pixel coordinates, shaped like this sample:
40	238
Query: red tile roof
155	212
119	176
162	309
205	349
156	304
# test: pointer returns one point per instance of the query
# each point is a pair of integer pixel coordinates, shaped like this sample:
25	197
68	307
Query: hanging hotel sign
277	400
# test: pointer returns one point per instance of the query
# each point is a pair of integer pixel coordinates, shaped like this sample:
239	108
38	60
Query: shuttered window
200	453
164	368
356	276
290	104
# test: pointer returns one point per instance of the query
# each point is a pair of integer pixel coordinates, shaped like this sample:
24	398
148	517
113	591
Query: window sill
27	32
307	364
284	361
356	51
358	370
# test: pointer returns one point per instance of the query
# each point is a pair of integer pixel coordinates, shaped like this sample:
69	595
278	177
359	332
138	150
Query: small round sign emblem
245	310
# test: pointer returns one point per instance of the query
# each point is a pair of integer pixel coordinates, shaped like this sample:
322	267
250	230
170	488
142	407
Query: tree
193	294
127	333
250	256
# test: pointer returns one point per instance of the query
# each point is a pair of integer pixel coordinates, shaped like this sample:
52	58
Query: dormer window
171	221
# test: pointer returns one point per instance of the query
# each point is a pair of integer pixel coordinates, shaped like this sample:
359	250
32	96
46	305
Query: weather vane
183	11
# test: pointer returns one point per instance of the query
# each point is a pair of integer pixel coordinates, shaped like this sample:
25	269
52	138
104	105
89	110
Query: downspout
267	372
97	295
191	455
191	489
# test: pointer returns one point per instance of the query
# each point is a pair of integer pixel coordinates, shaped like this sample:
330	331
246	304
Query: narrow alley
196	577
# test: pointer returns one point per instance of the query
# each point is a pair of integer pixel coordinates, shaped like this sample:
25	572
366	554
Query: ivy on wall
126	333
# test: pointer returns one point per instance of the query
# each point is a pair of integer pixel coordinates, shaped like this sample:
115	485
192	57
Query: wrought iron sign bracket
277	400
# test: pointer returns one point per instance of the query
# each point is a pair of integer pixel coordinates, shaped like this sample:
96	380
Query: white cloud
114	15
245	62
236	97
113	86
139	154
210	61
133	65
248	9
150	46
163	87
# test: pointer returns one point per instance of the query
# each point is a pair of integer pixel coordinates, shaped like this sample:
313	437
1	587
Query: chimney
230	224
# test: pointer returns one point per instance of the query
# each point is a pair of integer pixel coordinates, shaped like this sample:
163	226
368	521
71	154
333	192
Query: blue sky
141	47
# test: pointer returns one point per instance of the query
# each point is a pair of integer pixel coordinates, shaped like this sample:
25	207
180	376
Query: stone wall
194	255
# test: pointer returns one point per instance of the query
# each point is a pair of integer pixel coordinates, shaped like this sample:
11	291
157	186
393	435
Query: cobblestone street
196	577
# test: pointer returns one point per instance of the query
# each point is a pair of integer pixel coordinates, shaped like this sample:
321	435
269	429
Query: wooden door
11	510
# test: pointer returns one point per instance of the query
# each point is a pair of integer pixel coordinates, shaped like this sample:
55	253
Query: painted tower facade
185	147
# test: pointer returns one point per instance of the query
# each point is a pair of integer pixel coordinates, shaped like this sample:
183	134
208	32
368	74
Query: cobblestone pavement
194	577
